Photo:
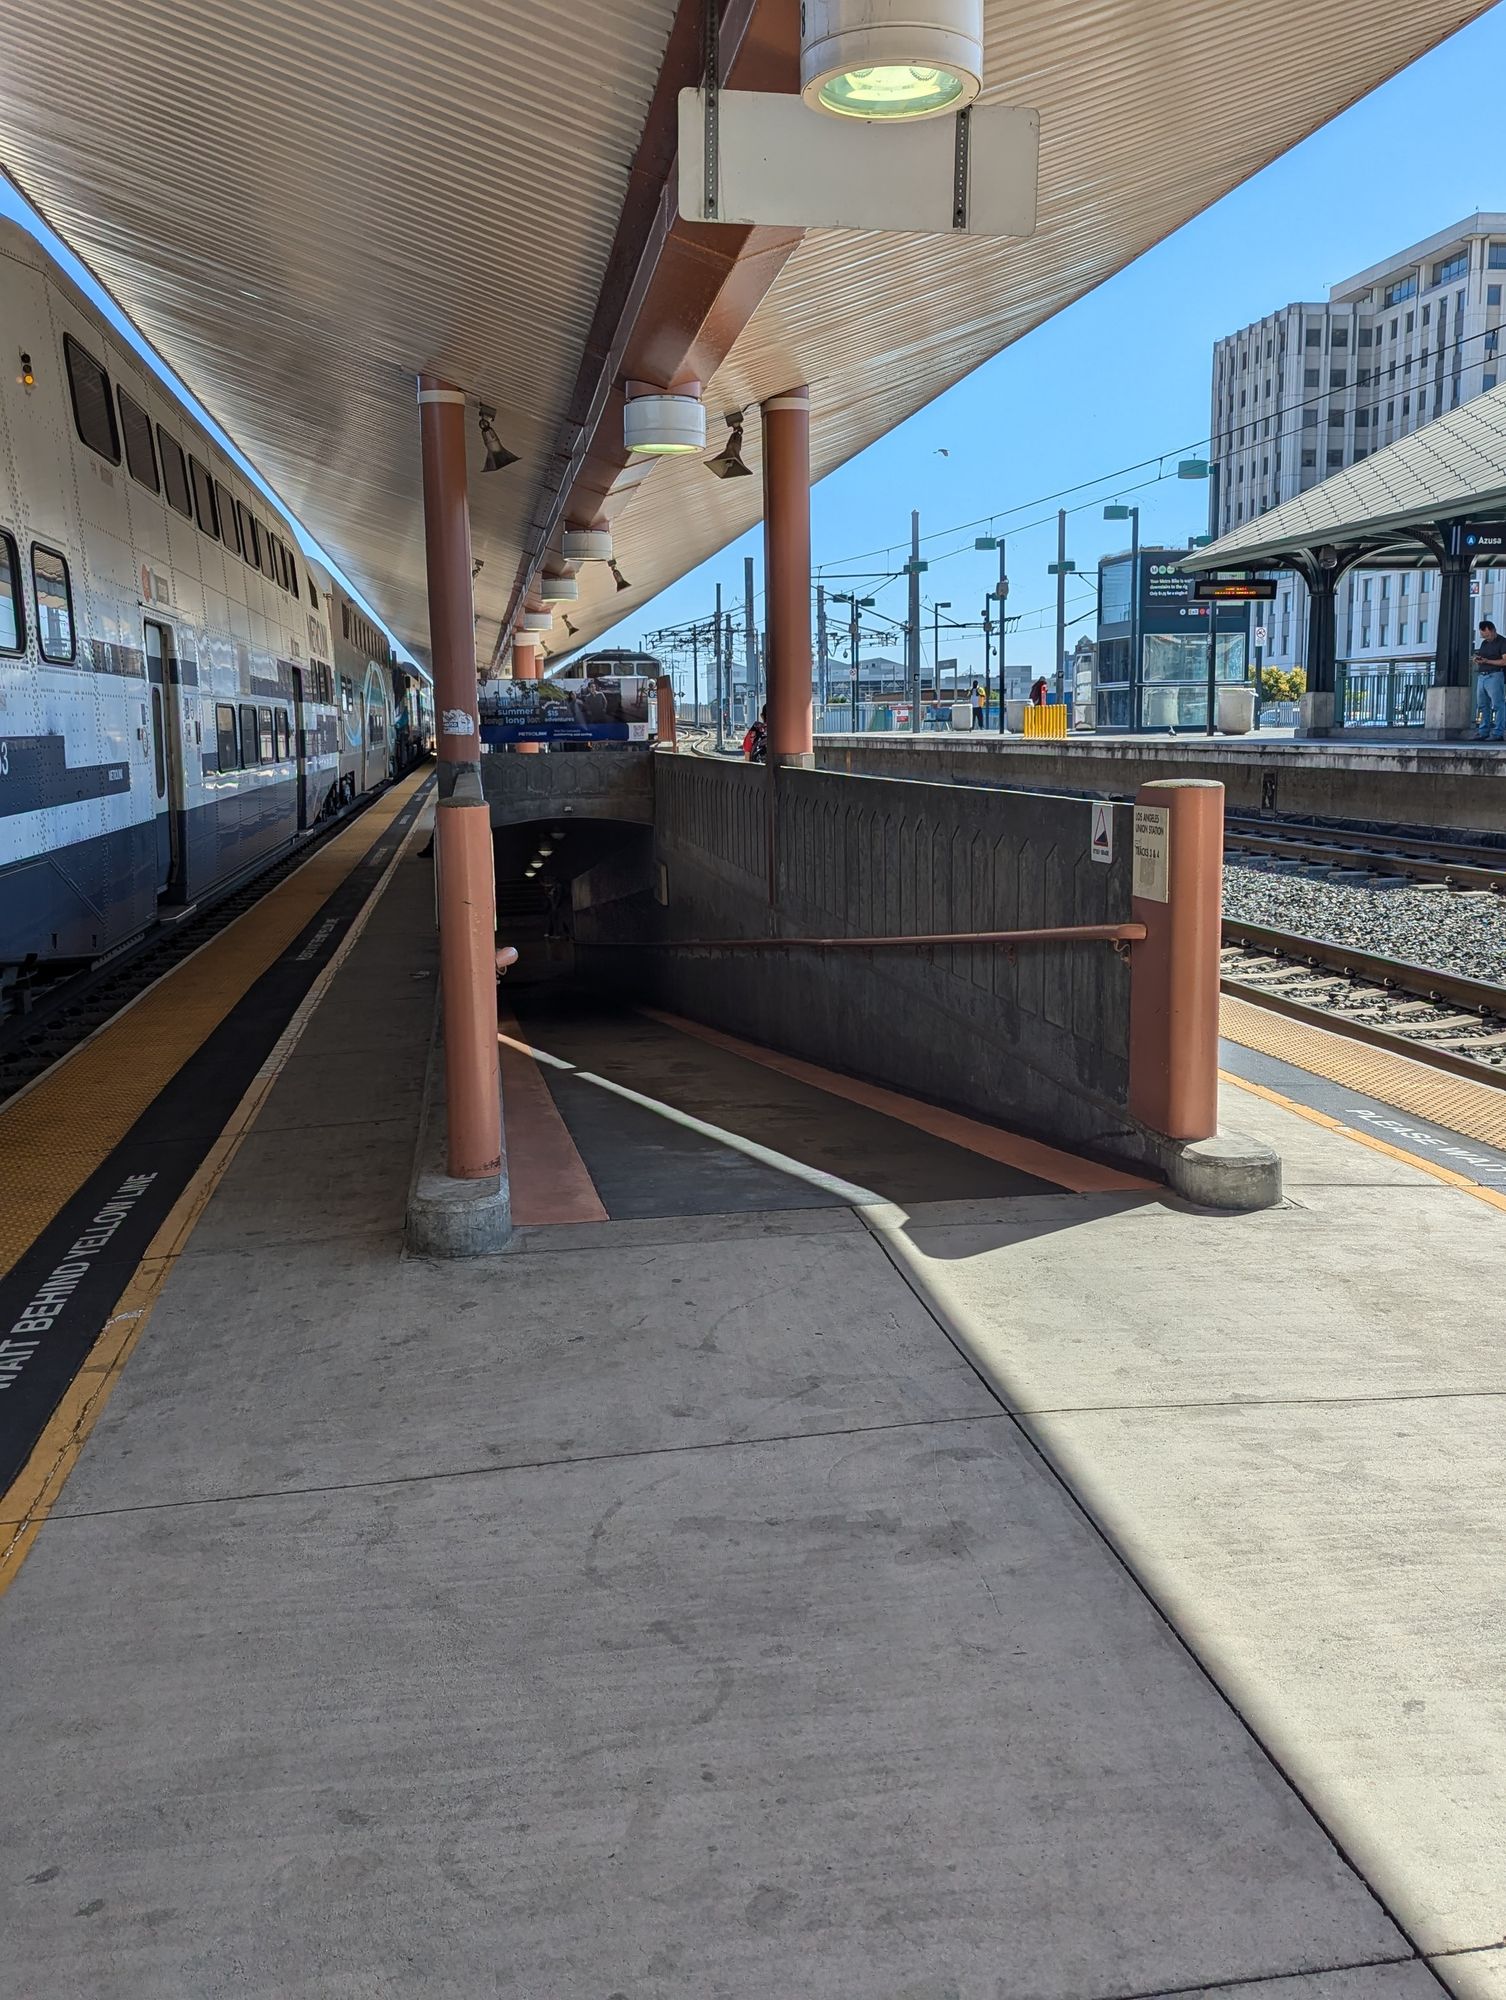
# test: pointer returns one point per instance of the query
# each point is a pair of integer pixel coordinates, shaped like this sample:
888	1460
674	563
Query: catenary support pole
787	574
721	662
1002	593
912	627
750	646
463	835
1060	676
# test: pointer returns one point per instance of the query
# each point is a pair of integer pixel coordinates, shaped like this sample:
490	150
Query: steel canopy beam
676	294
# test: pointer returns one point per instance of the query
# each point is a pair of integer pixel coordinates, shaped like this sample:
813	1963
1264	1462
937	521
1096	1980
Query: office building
1313	388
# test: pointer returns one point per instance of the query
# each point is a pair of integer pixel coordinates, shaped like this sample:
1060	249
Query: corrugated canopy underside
303	205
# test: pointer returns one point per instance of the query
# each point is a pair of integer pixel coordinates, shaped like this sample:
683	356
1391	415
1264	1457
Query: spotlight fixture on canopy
664	423
571	629
858	61
498	457
618	578
728	463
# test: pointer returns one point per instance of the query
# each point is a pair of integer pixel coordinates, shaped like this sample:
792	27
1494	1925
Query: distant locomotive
181	694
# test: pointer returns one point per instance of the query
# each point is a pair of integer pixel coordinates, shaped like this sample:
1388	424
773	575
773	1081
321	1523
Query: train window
268	560
12	609
282	566
93	406
49	575
229	742
265	739
293	584
313	594
136	427
203	498
250	539
248	733
284	737
228	526
175	474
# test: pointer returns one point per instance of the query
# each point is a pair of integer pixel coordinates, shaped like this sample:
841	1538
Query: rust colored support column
462	820
1178	863
667	731
527	665
787	573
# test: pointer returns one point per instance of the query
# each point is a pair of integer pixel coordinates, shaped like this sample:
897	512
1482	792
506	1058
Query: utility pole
1001	591
721	662
695	673
855	636
912	630
821	643
1061	601
750	657
988	659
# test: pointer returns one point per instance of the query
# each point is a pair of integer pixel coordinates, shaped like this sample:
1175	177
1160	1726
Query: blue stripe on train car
80	900
35	774
84	899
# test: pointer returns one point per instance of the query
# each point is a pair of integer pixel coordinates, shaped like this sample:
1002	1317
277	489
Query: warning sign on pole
1101	842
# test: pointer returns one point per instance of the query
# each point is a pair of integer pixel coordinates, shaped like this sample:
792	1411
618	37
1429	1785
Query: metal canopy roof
303	205
1454	466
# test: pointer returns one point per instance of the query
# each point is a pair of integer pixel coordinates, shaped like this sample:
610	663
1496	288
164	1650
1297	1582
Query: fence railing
1391	694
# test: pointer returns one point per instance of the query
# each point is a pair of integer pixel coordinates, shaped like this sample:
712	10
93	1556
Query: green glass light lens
901	90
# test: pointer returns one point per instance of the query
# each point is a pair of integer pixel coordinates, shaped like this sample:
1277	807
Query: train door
302	728
167	758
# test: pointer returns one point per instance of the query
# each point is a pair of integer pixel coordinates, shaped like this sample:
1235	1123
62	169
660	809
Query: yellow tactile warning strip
33	1493
55	1134
1492	1197
1478	1110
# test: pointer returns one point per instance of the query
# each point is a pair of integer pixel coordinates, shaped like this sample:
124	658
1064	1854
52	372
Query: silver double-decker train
182	693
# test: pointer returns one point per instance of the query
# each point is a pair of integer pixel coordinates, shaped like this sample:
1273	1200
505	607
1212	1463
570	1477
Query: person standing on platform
1038	692
977	701
1490	658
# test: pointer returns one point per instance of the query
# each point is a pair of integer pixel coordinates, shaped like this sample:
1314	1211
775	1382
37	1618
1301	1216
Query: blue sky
1119	378
1124	374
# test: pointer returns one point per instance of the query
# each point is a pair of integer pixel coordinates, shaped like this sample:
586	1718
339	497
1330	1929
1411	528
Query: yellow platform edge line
31	1496
1475	1110
1492	1197
61	1128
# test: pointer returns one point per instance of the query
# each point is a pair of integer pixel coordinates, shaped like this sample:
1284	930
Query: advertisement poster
553	710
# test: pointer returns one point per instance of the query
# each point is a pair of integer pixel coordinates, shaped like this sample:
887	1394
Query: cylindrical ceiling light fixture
529	641
661	424
891	59
586	545
558	589
536	621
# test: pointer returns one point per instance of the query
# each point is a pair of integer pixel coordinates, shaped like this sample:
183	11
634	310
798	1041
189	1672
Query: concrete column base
1315	715
1229	1172
793	760
1449	714
450	1218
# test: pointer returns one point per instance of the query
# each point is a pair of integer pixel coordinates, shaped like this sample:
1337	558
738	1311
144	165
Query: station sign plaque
1477	538
1152	837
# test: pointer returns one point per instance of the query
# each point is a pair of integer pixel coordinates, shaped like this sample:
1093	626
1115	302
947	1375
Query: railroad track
1439	1018
67	1010
1457	864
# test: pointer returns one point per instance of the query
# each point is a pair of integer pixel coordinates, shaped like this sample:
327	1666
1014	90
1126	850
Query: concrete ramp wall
1036	1036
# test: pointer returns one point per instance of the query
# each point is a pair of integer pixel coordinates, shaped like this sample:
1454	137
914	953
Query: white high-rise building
1314	388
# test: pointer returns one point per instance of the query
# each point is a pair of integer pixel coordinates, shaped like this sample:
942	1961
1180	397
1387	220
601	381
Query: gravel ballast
1463	933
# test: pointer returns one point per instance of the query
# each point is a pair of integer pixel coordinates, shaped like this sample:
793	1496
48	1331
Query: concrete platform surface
1004	1595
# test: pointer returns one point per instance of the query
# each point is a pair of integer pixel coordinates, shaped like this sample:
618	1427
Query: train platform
1366	776
839	1549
